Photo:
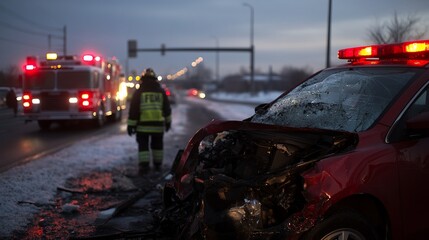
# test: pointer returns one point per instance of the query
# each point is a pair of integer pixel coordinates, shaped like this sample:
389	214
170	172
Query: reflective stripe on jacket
149	108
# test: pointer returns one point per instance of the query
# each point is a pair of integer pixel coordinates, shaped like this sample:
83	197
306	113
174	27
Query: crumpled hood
244	150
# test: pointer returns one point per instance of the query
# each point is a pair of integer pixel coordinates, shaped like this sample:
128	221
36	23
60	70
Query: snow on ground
257	98
27	186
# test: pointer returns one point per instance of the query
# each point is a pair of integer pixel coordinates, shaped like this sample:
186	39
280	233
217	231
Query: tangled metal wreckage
243	180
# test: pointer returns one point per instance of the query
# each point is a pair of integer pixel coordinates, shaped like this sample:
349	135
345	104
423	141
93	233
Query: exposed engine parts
247	183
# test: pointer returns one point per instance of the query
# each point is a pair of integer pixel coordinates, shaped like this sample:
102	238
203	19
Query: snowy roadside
36	183
27	187
257	98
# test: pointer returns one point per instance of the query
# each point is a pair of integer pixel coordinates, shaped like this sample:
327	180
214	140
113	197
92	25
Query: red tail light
167	92
86	100
26	101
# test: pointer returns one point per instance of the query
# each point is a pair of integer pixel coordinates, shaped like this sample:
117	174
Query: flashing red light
30	63
406	50
26	101
97	58
84	96
88	58
86	100
416	47
358	52
30	67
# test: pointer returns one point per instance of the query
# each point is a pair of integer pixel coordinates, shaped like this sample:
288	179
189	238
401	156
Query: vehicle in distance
193	92
71	88
344	155
170	94
3	95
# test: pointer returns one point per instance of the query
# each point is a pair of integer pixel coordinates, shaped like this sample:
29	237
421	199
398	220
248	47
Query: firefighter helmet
149	73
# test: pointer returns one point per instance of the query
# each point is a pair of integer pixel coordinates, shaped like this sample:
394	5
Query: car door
412	150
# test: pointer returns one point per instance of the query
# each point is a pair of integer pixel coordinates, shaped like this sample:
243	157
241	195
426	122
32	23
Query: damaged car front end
243	180
343	155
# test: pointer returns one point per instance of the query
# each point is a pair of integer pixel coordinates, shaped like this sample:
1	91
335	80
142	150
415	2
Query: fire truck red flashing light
415	50
30	67
85	100
26	100
88	58
31	63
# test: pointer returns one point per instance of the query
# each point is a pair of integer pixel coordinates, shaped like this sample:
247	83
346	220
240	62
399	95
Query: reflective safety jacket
149	108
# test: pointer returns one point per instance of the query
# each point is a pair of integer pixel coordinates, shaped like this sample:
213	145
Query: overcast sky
286	32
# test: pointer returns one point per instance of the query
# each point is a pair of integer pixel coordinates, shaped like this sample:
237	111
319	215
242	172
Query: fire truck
70	88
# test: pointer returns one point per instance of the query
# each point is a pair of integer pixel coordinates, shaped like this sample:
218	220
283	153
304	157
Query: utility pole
65	40
328	40
252	48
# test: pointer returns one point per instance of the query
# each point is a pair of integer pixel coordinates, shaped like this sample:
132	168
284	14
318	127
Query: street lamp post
252	51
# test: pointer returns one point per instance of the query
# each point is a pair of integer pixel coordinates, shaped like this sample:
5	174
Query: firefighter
149	116
11	101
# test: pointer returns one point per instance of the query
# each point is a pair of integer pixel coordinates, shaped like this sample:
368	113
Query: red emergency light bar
91	59
407	50
88	58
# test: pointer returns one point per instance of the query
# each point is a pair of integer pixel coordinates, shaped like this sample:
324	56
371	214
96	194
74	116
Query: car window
420	104
348	100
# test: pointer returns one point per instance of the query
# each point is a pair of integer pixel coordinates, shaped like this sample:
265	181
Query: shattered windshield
348	100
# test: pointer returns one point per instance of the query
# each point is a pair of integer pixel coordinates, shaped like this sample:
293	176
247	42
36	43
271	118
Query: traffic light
132	48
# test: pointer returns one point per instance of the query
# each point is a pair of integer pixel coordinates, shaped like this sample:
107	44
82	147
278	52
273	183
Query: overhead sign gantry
133	49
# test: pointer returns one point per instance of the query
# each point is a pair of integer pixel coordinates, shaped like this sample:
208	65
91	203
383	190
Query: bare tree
291	76
397	30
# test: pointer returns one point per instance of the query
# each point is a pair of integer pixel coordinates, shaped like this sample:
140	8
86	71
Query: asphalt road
22	142
189	116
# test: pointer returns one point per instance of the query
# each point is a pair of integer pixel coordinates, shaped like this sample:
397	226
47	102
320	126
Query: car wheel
345	225
101	117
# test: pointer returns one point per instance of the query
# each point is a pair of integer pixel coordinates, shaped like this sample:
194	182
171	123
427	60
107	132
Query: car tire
101	117
345	225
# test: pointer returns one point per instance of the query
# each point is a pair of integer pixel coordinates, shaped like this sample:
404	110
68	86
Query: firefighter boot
143	168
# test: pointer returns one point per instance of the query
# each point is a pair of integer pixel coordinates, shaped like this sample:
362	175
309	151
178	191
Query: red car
344	155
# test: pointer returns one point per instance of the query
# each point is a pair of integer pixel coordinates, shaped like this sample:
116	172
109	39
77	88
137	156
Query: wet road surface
114	204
